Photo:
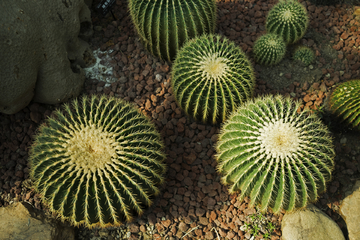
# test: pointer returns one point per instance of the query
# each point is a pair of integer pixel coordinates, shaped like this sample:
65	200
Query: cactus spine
165	25
288	19
345	102
269	49
97	162
211	77
280	158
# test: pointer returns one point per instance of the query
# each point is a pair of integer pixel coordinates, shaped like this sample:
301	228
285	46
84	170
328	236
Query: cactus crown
211	77
345	102
288	19
165	25
304	54
280	158
269	49
97	162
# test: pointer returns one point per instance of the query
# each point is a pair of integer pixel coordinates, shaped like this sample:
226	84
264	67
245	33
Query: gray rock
350	211
18	222
310	223
41	51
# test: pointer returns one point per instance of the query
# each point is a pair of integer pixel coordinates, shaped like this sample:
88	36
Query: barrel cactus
269	49
304	54
280	158
345	102
211	77
288	19
97	162
165	25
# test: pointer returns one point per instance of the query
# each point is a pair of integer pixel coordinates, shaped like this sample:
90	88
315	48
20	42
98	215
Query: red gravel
193	199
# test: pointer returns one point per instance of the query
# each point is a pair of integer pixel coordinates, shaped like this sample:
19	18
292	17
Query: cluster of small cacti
288	19
269	49
165	25
280	158
345	102
304	54
211	77
98	162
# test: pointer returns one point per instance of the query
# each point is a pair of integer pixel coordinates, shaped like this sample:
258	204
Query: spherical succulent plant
304	54
165	25
288	19
278	157
211	77
97	163
269	49
345	102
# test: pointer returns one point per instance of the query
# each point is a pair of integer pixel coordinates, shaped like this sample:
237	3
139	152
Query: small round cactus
97	163
165	25
211	77
269	49
345	102
304	54
288	19
280	158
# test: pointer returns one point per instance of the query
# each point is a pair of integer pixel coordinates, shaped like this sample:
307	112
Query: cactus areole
281	159
165	25
97	163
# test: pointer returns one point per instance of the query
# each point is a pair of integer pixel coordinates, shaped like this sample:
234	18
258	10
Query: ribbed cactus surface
288	19
165	25
280	158
345	102
97	162
304	54
211	77
269	49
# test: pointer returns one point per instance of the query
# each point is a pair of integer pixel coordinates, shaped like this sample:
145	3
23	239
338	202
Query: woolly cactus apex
165	25
280	158
345	102
304	54
269	49
288	19
211	77
98	162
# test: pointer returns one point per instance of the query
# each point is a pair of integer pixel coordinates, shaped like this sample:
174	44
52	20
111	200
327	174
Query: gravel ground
193	204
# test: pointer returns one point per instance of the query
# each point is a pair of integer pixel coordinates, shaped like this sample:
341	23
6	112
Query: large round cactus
288	19
269	49
345	102
211	77
98	162
165	25
280	158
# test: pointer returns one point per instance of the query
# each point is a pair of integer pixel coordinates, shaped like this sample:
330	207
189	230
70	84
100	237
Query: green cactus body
269	49
97	163
165	25
345	102
288	19
211	77
304	54
280	158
